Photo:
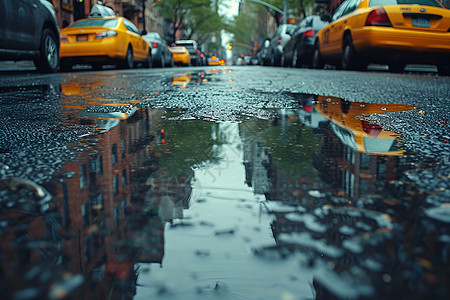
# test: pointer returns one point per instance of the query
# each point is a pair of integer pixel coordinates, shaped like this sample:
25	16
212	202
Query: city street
236	182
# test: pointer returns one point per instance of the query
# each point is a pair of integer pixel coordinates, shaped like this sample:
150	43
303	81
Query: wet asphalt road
245	90
49	121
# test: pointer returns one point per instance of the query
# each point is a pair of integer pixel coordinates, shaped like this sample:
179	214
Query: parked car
279	39
105	40
162	57
299	49
215	61
180	55
392	32
262	55
194	51
29	31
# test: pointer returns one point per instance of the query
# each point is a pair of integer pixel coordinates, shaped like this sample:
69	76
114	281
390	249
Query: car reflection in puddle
163	206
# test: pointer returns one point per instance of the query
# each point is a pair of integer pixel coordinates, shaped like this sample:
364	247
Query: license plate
82	38
421	22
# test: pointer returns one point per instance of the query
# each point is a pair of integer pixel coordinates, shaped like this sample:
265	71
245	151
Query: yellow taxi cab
350	127
392	32
180	55
104	40
215	61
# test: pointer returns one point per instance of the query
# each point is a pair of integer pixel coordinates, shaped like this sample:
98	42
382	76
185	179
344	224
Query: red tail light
279	40
308	33
378	17
105	34
196	52
63	37
155	45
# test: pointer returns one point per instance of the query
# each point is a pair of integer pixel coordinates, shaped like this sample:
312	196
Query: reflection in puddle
161	205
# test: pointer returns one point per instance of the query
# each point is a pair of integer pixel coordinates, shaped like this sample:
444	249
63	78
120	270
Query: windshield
410	2
96	23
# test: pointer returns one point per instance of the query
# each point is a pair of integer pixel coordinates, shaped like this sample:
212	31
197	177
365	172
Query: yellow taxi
215	61
392	32
350	127
105	40
180	55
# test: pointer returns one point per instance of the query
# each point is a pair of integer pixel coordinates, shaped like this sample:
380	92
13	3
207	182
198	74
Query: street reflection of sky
215	256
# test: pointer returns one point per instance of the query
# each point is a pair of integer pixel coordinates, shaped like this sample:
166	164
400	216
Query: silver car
279	39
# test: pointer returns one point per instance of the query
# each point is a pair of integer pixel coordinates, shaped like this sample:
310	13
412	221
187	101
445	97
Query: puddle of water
293	205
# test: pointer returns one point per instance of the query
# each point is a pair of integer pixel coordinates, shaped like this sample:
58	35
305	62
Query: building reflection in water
321	162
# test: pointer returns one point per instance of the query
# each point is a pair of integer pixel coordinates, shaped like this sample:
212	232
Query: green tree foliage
188	146
251	23
195	18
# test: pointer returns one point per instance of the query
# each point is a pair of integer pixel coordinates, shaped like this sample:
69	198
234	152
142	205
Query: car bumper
109	48
371	40
181	59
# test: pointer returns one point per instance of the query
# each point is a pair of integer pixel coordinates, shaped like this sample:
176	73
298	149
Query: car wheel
317	61
444	68
148	62
350	60
163	61
128	62
48	61
396	67
294	58
282	60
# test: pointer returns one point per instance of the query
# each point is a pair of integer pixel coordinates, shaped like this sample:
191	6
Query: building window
65	196
83	176
365	160
97	203
85	214
114	154
124	178
115	185
97	166
124	148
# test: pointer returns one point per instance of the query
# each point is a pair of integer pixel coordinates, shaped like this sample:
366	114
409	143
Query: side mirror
325	18
144	32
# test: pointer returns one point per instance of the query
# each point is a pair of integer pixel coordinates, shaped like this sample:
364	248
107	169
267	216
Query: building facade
68	11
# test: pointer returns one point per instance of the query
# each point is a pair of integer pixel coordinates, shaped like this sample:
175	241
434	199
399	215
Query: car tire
282	60
163	61
128	62
396	67
350	60
444	68
48	61
149	61
295	58
317	60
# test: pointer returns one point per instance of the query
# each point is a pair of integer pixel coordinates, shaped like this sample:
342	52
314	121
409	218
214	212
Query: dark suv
29	31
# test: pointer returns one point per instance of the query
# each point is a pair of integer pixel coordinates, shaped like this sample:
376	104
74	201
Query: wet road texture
200	184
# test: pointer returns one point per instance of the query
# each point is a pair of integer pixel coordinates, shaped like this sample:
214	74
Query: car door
345	22
19	24
329	39
140	46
